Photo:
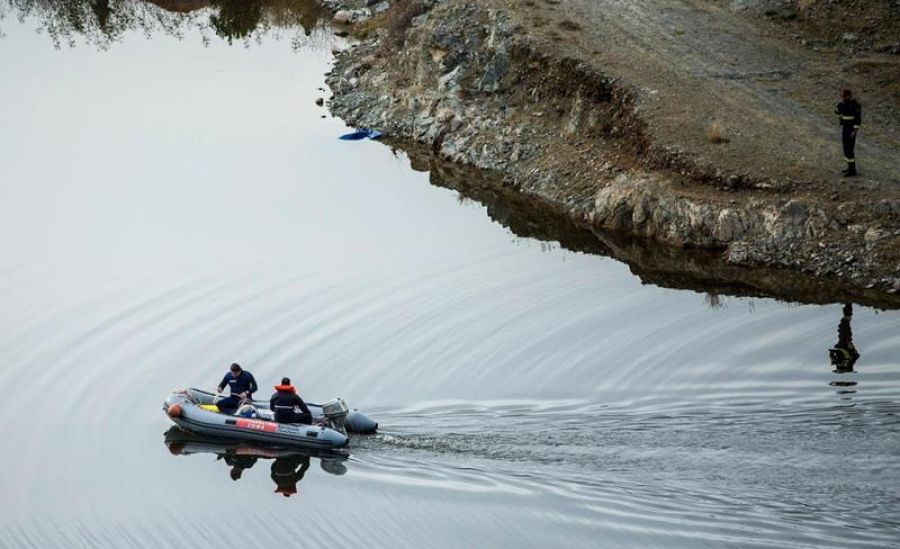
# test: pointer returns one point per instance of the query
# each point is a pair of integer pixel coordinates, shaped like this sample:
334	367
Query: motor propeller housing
335	412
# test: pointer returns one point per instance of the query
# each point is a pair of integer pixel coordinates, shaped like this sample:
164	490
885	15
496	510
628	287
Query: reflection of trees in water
244	19
236	19
100	23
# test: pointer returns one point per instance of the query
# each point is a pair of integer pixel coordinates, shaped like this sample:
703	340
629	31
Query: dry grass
398	19
715	133
395	21
570	26
889	249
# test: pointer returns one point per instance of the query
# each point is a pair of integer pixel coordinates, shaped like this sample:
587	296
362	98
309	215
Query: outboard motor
335	412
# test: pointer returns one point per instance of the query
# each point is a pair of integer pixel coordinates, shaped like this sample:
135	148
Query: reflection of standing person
850	113
844	354
286	475
238	464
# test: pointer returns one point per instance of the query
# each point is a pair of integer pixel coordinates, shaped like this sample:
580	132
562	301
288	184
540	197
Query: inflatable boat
195	410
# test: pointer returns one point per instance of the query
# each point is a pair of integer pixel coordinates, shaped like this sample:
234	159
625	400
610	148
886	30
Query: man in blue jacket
242	386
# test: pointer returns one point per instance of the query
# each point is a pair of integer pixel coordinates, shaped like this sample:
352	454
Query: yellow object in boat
210	407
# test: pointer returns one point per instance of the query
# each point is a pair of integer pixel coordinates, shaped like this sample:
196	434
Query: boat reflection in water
289	465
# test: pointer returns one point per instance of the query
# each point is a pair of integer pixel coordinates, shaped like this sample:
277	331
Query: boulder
350	17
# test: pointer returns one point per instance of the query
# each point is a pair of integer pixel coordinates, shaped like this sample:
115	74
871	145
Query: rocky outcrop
654	263
469	85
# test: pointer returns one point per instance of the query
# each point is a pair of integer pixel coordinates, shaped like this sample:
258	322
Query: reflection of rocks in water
666	266
523	215
100	23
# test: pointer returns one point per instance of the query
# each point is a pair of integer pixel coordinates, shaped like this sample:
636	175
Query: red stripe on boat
257	425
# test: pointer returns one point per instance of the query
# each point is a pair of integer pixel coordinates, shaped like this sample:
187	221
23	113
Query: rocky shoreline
467	83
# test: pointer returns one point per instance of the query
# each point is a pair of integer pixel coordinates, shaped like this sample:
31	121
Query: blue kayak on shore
362	133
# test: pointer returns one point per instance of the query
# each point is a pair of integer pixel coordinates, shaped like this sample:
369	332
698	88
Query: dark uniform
288	406
242	383
850	113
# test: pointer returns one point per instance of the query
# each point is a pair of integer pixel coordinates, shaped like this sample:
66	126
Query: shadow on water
287	469
654	263
101	23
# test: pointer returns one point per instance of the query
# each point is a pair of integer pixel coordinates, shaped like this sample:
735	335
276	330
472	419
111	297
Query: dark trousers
229	404
848	137
288	416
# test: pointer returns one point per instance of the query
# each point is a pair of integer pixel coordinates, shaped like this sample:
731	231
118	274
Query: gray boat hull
184	409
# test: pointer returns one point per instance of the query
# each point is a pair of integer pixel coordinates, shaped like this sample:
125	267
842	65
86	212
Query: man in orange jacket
288	406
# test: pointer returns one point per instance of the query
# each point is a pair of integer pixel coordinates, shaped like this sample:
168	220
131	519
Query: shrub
716	133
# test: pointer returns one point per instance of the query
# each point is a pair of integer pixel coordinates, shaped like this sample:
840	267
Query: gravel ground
696	63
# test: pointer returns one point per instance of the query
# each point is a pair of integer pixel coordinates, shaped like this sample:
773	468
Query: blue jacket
239	384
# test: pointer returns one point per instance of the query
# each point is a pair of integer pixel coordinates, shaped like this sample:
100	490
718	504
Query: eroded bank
476	88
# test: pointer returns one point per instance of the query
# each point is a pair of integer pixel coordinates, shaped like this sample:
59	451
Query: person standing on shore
850	113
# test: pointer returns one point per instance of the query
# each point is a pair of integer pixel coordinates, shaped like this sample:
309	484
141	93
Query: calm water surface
173	204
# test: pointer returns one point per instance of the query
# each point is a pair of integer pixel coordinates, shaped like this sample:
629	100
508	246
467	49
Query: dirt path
701	63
